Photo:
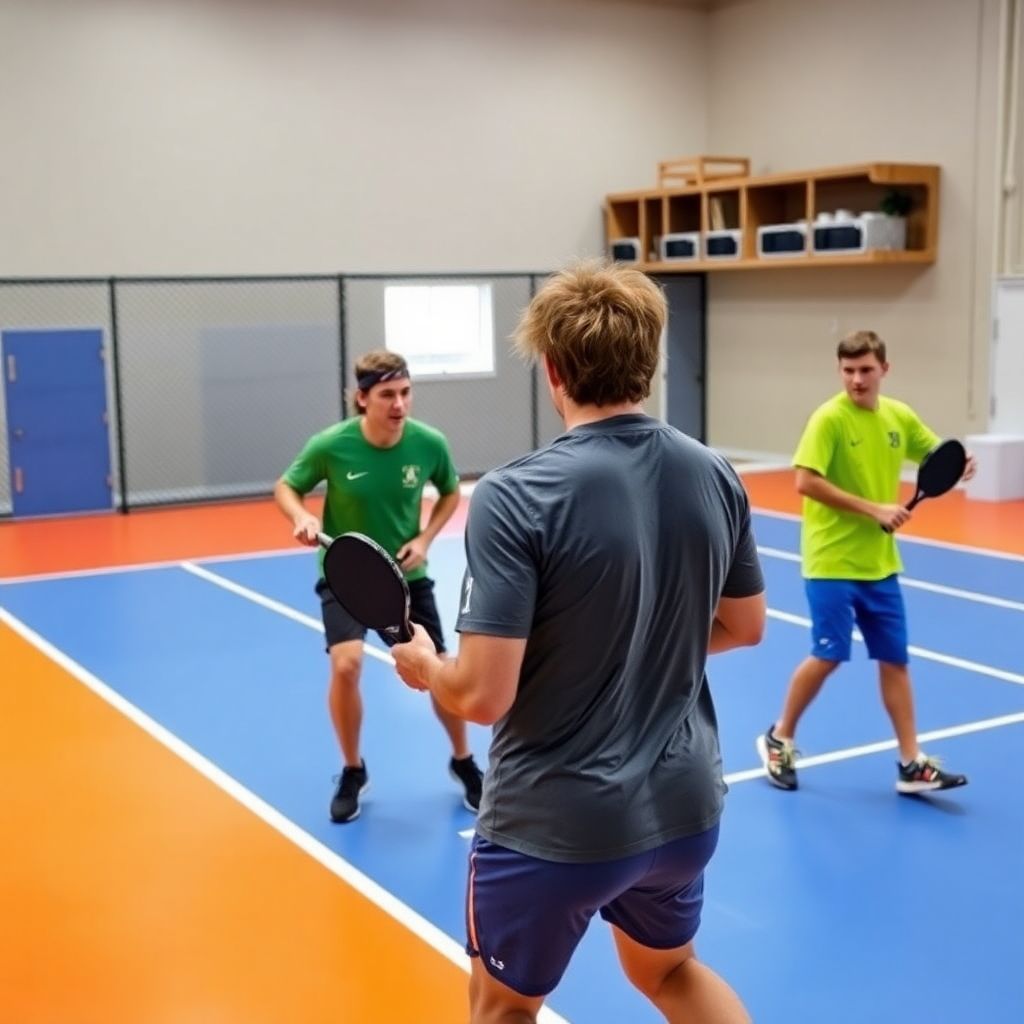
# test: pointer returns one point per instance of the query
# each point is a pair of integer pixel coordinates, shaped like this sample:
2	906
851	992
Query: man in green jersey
376	465
848	470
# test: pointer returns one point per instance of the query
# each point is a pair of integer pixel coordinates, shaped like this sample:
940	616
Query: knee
345	671
826	666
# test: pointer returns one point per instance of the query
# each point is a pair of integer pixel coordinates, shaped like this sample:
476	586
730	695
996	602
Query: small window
441	329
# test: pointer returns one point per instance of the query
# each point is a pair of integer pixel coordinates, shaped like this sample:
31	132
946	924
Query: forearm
444	508
289	501
453	687
821	490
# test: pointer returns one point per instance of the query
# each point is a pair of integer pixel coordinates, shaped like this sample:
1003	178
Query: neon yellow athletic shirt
376	491
860	451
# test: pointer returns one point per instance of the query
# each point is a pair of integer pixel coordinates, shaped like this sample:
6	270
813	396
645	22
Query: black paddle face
369	585
941	469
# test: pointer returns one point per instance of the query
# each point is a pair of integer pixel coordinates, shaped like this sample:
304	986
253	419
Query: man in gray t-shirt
601	572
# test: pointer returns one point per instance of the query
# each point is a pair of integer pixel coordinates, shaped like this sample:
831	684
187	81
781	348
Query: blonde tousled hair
599	325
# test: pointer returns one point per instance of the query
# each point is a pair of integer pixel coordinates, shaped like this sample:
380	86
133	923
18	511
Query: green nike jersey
862	452
376	491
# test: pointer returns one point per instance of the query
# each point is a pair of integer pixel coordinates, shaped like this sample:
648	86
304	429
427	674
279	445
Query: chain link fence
214	384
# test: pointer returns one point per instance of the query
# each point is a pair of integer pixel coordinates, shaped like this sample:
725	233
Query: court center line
269	603
1006	556
366	886
875	748
916	584
920	652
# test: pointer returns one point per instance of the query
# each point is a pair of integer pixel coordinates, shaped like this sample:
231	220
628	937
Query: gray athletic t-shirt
608	549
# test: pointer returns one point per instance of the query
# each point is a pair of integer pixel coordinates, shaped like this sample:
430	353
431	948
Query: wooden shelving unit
702	193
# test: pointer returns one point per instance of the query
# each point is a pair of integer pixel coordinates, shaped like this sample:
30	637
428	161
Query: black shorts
340	627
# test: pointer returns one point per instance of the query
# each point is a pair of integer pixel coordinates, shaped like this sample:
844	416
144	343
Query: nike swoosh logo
853	444
355	476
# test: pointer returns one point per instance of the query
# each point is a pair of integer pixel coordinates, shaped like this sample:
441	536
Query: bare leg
898	698
490	1002
344	699
807	680
681	987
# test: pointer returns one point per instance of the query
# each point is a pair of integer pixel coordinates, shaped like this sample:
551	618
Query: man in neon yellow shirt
848	470
376	465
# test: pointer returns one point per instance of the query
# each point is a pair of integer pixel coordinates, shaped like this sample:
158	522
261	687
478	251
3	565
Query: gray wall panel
222	382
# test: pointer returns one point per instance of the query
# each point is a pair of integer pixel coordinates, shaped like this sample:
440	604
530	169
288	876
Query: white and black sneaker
923	775
779	759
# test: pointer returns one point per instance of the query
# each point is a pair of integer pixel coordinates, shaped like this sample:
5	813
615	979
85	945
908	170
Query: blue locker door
57	431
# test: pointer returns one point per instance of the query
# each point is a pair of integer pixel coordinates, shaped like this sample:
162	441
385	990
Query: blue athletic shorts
875	605
525	916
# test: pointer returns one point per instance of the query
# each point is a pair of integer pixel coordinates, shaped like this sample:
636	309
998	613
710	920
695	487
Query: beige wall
812	83
247	136
243	136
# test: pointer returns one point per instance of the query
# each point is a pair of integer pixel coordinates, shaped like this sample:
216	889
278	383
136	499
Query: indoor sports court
211	214
163	723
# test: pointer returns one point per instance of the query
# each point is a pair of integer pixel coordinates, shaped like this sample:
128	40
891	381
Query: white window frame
417	331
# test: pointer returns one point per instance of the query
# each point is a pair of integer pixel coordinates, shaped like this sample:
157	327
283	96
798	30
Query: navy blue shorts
340	627
875	605
525	916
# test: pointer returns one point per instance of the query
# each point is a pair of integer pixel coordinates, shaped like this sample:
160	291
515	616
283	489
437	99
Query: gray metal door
685	353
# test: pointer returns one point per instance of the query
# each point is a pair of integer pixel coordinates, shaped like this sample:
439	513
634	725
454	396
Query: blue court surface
839	903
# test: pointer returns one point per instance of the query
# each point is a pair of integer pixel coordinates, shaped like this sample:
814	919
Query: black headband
372	377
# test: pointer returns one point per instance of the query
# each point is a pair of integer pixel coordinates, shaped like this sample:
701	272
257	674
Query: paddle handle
325	541
909	506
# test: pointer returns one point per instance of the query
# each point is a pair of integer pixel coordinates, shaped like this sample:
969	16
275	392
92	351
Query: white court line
269	603
875	748
920	652
909	581
1006	556
731	778
174	563
753	468
170	563
386	901
796	620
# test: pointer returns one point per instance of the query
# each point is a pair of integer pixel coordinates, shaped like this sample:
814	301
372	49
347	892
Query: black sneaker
465	771
345	802
779	759
923	775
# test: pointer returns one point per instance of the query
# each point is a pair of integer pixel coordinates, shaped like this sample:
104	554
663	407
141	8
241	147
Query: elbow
483	708
752	631
482	712
806	483
754	635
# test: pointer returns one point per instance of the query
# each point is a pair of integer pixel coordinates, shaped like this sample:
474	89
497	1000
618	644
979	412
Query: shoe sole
762	749
910	788
352	817
465	800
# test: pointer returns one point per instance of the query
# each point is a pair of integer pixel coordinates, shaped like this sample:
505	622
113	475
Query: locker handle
12	369
19	480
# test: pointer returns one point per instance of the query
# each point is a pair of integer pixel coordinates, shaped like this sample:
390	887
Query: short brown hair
861	343
599	325
377	362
